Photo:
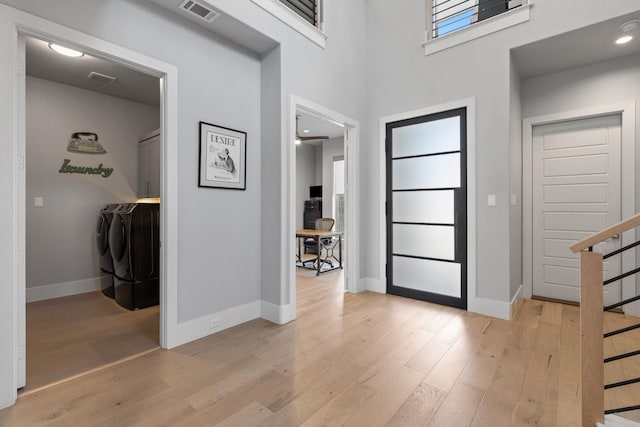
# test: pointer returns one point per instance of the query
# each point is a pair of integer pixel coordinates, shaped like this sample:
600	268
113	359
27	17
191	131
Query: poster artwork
223	151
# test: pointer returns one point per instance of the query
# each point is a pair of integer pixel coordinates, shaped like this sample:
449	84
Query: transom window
309	10
448	16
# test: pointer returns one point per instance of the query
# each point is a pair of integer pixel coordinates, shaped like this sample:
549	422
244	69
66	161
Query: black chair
311	245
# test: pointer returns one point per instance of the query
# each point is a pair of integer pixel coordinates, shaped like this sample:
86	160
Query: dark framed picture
223	157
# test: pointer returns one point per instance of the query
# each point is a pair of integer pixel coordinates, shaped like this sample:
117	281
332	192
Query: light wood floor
355	360
75	334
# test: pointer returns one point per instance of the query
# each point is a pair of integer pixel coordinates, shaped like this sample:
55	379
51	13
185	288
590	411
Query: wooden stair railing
592	320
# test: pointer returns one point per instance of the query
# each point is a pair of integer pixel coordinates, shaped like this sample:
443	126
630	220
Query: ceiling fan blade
311	137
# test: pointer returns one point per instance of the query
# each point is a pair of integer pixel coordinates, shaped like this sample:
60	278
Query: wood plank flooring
75	334
355	360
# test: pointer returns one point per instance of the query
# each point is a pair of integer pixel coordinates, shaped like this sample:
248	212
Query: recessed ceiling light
65	50
624	39
306	131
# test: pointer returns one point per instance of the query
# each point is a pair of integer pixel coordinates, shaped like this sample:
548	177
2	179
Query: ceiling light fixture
65	51
626	28
306	131
624	39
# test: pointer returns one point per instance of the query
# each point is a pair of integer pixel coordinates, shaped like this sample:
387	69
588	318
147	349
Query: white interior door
576	192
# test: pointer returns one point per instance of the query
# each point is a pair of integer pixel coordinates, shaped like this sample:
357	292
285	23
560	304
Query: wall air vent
201	9
102	78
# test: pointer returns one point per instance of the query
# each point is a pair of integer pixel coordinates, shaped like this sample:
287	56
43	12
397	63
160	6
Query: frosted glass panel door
426	208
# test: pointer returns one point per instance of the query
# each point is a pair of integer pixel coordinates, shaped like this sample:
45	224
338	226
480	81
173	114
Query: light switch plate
491	200
514	200
38	202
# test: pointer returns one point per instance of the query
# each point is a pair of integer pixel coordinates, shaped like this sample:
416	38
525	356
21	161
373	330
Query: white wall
61	235
218	83
610	82
401	78
330	149
515	185
218	229
305	177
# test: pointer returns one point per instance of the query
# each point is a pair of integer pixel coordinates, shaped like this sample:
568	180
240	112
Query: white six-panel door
576	192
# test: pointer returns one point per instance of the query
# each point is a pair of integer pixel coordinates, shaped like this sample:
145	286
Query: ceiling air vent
102	78
200	9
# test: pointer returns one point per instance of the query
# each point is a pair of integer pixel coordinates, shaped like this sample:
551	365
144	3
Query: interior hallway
349	359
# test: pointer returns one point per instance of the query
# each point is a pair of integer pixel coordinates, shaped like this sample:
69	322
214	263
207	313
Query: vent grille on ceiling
102	78
201	10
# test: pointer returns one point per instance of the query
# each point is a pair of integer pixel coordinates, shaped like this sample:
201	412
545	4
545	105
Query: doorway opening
341	144
98	168
320	195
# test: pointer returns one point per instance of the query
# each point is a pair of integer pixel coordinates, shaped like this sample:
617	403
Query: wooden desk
318	235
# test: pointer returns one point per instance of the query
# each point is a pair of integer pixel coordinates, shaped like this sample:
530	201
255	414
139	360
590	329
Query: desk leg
340	249
319	253
299	255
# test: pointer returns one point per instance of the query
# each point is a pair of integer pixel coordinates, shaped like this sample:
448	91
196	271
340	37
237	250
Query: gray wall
401	78
60	240
220	87
599	84
330	149
515	184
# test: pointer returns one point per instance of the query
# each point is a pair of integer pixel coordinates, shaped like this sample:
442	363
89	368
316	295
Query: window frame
292	19
510	18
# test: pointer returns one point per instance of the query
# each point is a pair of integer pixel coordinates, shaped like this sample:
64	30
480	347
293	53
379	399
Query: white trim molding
15	25
516	303
474	31
373	285
474	303
215	322
628	182
351	150
294	21
57	290
279	314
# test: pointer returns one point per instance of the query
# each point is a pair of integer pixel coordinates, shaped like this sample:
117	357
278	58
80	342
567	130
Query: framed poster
223	157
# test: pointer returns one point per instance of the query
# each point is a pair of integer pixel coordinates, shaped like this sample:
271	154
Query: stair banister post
591	338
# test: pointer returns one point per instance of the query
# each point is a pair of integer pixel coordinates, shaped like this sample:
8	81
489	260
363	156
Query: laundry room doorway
99	138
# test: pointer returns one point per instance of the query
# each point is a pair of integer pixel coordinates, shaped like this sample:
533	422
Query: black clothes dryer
134	241
102	240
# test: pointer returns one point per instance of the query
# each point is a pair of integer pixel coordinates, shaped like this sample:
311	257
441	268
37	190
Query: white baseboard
279	314
516	303
373	285
215	322
489	307
57	290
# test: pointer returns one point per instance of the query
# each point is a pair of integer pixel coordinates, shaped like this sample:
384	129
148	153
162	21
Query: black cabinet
312	211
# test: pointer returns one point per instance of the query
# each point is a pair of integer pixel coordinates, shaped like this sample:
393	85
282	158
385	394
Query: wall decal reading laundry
87	170
85	143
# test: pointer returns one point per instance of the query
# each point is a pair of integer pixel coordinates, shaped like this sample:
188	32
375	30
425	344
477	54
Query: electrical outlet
215	322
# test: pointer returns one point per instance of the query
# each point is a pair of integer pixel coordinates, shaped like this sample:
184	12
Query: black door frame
460	202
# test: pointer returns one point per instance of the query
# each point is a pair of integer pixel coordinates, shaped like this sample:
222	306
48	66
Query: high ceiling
576	48
584	46
44	63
